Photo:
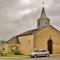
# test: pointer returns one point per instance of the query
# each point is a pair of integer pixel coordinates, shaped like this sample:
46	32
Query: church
45	36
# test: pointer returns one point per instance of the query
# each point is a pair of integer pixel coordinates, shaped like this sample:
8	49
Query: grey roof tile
13	40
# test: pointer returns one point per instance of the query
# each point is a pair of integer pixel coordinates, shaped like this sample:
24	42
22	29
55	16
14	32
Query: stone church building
44	37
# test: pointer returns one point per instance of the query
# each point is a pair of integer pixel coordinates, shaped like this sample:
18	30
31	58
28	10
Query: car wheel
35	56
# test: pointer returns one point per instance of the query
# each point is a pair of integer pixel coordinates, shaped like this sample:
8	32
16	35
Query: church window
14	48
29	41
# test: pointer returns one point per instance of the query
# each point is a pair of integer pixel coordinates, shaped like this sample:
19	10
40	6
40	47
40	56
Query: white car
39	53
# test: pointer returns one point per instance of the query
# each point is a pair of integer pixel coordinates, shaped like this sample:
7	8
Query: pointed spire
43	14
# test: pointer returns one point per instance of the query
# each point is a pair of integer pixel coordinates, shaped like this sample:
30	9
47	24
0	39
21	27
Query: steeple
43	21
43	14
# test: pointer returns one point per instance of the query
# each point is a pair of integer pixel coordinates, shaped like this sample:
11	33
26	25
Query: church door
50	46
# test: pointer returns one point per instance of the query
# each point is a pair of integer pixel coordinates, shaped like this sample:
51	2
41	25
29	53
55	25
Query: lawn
12	55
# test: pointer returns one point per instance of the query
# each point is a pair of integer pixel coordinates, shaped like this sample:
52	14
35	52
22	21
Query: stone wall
42	37
9	48
26	44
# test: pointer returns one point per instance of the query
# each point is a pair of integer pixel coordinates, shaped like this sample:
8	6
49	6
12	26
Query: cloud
27	2
17	16
27	11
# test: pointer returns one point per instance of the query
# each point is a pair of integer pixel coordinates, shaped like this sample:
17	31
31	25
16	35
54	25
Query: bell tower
43	20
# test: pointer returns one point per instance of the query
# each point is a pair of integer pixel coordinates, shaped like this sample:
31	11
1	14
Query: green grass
12	55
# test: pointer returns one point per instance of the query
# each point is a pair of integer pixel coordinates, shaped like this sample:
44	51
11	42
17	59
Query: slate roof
28	32
35	30
13	40
43	14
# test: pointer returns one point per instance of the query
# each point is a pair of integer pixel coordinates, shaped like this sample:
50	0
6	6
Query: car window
44	51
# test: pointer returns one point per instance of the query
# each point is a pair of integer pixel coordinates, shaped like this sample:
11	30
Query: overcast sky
17	16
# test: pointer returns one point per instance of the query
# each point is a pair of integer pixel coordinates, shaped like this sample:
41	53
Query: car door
40	53
43	53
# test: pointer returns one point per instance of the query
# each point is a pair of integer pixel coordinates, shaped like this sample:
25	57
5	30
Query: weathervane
43	4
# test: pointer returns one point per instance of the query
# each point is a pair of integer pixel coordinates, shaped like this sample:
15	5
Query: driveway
39	58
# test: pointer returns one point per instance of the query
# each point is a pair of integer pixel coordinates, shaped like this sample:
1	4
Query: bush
3	54
18	53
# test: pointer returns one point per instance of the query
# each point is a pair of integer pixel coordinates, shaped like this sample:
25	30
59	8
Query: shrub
18	53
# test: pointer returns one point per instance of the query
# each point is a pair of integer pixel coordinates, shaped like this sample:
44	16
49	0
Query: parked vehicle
39	53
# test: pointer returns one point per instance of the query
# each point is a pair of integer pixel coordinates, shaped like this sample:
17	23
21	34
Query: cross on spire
43	4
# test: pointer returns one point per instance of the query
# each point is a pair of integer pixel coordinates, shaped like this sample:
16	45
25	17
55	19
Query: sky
17	16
